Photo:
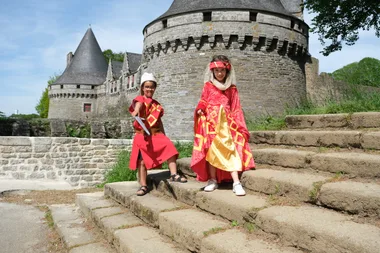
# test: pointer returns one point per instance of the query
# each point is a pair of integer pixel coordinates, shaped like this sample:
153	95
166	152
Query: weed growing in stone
49	219
234	223
313	194
213	231
250	227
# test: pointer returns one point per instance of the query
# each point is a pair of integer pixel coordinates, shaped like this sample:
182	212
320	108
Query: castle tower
266	41
74	94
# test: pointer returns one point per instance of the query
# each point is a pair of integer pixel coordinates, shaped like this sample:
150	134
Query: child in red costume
221	151
150	151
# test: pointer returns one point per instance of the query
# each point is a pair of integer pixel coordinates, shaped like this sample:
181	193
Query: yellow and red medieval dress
221	135
155	148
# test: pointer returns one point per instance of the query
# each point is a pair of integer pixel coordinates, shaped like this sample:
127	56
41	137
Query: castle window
115	89
165	23
133	80
253	16
206	16
86	107
61	86
92	87
78	86
292	24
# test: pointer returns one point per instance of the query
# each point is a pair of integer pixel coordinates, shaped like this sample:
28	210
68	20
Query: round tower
266	42
74	94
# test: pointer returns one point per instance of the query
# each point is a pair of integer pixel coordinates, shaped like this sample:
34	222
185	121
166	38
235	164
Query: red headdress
220	64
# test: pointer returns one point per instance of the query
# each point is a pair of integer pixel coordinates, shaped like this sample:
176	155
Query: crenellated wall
80	162
268	52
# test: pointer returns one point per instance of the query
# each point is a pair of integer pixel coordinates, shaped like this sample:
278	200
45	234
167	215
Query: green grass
120	170
353	101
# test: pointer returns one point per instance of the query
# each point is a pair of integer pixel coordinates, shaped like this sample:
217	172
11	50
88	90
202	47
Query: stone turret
266	41
73	95
126	68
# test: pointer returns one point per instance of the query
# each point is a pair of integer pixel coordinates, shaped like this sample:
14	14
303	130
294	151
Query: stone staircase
316	189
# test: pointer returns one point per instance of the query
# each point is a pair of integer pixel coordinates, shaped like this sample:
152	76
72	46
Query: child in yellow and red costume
150	151
221	151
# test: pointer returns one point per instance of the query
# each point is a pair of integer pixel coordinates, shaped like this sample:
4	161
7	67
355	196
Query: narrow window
78	86
253	16
165	23
206	16
133	80
92	87
292	24
61	86
86	107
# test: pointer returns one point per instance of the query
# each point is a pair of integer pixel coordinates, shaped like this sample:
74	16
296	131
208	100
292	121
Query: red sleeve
237	113
202	104
137	99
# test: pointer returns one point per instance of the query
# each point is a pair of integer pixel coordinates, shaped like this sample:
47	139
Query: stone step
355	120
337	138
353	163
121	227
190	228
299	186
319	230
354	197
222	202
234	241
350	196
77	237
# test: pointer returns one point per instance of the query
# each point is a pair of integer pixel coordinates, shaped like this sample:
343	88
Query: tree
340	21
108	54
2	115
43	104
365	72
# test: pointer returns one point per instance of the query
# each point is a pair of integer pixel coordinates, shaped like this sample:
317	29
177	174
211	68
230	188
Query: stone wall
81	162
103	129
323	87
268	54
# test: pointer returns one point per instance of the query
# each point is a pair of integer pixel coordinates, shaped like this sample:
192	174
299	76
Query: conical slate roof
88	65
184	6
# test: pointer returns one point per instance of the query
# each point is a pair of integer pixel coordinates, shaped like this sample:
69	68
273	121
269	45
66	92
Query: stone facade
267	43
81	162
269	56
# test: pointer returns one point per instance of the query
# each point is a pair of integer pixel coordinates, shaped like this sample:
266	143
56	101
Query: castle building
267	42
89	88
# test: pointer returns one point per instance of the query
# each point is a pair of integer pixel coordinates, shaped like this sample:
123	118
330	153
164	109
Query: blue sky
36	35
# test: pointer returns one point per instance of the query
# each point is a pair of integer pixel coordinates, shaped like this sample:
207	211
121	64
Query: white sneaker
238	189
211	185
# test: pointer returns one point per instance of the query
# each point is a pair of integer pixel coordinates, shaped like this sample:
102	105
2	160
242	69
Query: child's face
220	74
149	88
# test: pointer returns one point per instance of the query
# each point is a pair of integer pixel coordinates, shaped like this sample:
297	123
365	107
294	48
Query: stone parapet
81	162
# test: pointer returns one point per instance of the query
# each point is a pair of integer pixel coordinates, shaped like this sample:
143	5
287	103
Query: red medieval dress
155	148
221	135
